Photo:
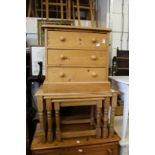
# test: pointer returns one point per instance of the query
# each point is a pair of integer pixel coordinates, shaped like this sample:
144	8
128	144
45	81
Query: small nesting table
49	103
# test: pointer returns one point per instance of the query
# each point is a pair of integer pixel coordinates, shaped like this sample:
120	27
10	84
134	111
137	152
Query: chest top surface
60	27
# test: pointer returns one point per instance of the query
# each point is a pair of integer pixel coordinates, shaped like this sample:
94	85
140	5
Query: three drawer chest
77	57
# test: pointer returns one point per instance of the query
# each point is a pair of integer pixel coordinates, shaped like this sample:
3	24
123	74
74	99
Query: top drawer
76	40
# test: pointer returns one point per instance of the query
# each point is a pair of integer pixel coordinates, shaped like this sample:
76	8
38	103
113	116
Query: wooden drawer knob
62	38
94	40
80	150
63	57
93	57
62	74
94	74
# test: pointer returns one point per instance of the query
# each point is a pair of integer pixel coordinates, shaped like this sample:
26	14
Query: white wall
120	22
31	31
102	13
110	16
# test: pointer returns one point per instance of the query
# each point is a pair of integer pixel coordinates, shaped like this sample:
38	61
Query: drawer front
107	149
76	40
65	74
77	58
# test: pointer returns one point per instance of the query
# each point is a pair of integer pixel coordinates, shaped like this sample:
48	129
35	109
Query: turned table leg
57	118
98	119
92	121
41	118
112	115
105	117
49	120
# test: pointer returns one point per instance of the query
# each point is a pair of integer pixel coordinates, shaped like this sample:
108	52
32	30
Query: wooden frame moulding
62	12
91	13
78	11
47	12
69	9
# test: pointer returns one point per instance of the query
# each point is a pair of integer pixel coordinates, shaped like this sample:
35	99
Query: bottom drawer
102	149
68	74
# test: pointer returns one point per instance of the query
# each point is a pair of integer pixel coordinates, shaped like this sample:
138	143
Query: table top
121	79
43	91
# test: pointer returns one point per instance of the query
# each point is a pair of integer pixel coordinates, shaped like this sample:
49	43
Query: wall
102	12
31	31
114	14
120	25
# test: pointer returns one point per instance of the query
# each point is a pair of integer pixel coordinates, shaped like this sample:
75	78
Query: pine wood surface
47	91
68	74
76	119
74	89
93	29
76	40
75	102
71	58
58	103
77	146
64	63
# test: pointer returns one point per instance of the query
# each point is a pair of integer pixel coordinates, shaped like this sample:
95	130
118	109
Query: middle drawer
75	74
77	58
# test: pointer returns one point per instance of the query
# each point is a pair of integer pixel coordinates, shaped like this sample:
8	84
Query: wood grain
76	40
50	120
57	117
41	118
72	58
76	88
105	117
70	74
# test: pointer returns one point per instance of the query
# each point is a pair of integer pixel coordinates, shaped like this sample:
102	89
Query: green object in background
39	24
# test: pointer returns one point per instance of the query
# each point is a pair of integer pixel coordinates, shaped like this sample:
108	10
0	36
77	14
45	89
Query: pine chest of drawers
76	58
